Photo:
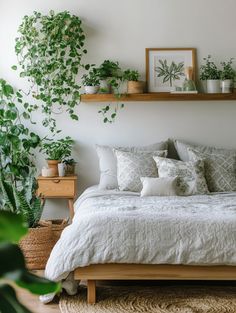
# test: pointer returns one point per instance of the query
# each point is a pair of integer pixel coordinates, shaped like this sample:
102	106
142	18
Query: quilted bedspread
122	227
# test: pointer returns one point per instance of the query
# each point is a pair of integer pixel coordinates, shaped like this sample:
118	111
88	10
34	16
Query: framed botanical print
165	67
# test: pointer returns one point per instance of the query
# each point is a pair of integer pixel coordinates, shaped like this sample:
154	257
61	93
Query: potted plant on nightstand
211	74
69	166
227	76
57	151
133	85
91	81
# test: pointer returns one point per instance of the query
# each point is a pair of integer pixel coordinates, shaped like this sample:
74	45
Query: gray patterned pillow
191	179
220	170
133	165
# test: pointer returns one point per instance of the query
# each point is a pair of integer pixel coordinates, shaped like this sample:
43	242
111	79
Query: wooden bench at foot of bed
149	272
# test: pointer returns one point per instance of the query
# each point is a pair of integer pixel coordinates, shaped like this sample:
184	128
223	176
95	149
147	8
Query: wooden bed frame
149	272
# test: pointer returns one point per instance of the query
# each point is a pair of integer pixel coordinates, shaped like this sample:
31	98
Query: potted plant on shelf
57	151
227	76
91	81
211	74
133	85
69	166
110	76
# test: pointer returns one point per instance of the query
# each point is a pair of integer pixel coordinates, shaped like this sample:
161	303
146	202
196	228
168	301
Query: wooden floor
32	302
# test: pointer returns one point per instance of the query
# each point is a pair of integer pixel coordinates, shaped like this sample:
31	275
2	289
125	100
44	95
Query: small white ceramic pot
61	169
227	86
90	90
213	86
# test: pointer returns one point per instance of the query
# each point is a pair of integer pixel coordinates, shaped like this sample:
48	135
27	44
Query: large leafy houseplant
17	142
50	49
13	268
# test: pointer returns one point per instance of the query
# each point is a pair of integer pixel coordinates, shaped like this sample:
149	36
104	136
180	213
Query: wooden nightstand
58	188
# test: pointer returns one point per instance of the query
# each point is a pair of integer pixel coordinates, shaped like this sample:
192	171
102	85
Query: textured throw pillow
133	165
159	186
108	162
182	150
220	170
191	179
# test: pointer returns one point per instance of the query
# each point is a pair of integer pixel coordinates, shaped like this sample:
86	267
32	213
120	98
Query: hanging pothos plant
50	50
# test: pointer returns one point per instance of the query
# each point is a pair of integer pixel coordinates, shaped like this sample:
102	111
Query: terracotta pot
135	87
53	164
37	245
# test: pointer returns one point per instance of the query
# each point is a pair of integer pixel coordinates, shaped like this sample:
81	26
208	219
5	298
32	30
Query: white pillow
191	175
182	150
108	162
159	186
133	165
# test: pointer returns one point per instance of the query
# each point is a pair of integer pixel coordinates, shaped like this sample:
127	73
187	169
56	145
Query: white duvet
122	227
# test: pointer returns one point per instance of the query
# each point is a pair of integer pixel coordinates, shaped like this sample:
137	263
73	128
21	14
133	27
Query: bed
119	235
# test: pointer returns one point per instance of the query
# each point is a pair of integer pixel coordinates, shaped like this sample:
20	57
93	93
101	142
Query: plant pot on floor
135	87
37	245
227	86
57	227
91	90
213	86
53	165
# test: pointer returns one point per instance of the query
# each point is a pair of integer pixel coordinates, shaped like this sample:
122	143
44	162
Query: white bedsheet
122	227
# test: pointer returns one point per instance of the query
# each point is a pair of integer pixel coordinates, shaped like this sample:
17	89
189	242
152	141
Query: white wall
121	30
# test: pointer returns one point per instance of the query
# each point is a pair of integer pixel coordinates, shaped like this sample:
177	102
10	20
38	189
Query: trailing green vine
50	49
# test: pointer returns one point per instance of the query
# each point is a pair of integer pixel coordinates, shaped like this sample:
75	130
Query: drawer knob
56	181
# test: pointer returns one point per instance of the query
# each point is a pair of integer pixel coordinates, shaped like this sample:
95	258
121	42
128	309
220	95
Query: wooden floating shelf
160	96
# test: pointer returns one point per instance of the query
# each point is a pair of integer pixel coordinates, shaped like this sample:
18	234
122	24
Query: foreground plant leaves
12	227
9	302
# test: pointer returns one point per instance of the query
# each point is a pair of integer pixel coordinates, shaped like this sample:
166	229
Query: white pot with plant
91	81
57	151
211	74
110	76
133	85
227	76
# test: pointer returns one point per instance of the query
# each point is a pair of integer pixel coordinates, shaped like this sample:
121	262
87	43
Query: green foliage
24	201
50	49
131	75
109	69
228	72
58	150
17	143
170	72
12	228
92	78
209	70
69	161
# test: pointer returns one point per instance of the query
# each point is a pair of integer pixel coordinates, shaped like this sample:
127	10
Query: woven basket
37	245
57	228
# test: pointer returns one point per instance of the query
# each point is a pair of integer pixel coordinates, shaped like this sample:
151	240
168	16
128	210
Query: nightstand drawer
57	188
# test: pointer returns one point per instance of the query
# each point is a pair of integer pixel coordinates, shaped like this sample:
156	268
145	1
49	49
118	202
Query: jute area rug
156	299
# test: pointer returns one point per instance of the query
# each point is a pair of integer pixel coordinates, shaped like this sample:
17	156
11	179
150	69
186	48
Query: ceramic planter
213	86
91	90
53	165
227	86
135	87
105	86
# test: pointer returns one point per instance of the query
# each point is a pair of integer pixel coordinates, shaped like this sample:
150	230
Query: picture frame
165	67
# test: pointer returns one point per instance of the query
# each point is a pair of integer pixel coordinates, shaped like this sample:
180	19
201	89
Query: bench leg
91	291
